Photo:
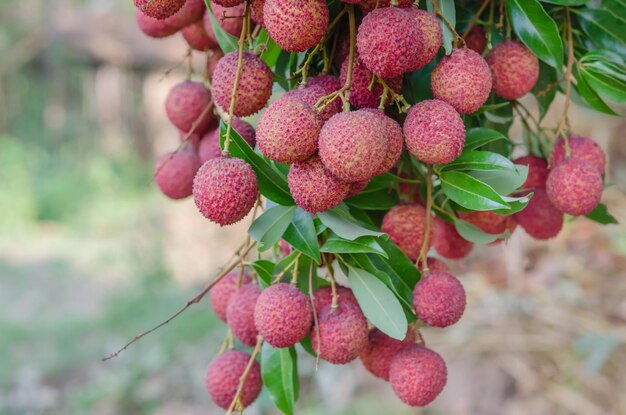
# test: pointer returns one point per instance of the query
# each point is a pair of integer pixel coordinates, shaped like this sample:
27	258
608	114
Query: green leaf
479	160
302	236
364	244
264	269
591	96
344	225
504	182
228	43
480	136
567	2
272	52
470	192
446	7
607	84
474	234
537	31
601	215
603	27
279	370
378	200
378	303
272	184
270	226
516	204
545	89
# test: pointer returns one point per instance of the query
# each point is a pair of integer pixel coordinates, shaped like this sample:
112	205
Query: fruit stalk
564	122
244	376
427	220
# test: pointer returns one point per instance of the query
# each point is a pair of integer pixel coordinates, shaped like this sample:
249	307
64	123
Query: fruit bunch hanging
381	145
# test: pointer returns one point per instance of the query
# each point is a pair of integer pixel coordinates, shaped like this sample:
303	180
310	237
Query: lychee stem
458	40
472	22
189	63
333	286
315	321
427	220
564	122
244	375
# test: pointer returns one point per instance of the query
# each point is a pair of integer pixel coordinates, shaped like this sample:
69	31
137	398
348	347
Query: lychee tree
382	140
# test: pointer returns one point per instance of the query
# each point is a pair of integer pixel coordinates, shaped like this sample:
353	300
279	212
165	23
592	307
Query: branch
242	380
564	122
429	203
472	22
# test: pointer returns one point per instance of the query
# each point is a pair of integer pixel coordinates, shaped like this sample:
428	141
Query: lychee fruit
575	187
447	241
434	132
223	376
540	219
583	148
330	83
284	247
191	12
357	187
296	25
174	173
221	292
212	61
395	141
386	41
153	27
313	187
360	94
159	9
476	40
225	190
193	140
310	95
256	12
537	171
514	69
486	221
288	130
228	3
197	38
369	5
255	83
429	39
439	299
381	349
352	145
405	225
283	315
188	104
463	80
417	375
209	147
341	333
229	18
324	296
240	313
435	264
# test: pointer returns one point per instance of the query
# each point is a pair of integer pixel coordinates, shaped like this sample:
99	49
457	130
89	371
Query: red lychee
313	187
324	297
191	12
255	84
540	219
583	148
476	40
212	61
360	94
174	173
228	3
256	12
435	264
209	147
153	27
434	132
296	25
240	313
221	292
463	80
310	95
439	299
369	5
381	349
429	39
575	187
197	38
357	187
225	190
395	141
229	18
188	104
405	225
330	83
537	171
487	222
417	375
514	69
159	9
223	376
283	315
447	241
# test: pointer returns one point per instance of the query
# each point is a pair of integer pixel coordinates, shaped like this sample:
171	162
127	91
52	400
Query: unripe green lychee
310	95
341	333
514	69
537	171
487	221
324	297
283	315
429	39
197	38
434	132
395	140
296	25
381	349
153	27
352	145
223	376
463	80
439	299
540	219
476	40
221	292
255	84
575	187
360	94
447	241
435	264
288	130
313	187
240	313
209	147
228	18
174	173
225	190
191	12
583	148
159	9
405	225
417	375
189	103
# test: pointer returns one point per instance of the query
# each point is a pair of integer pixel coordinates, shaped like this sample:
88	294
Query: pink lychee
174	173
314	188
439	299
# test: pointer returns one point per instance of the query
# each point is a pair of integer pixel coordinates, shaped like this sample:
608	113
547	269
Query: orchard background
92	253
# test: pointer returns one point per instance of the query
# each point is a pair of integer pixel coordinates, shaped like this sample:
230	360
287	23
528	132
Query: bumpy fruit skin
435	264
228	3
360	94
310	95
191	12
447	241
221	292
240	313
153	27
174	173
186	103
476	40
395	141
514	69
575	187
287	131
381	349
324	297
313	187
256	12
225	190
296	25
212	61
341	334
330	83
386	42
583	148
540	219
369	5
434	132
417	375
439	299
159	9
463	80
537	171
222	379
487	222
197	38
357	187
229	18
352	145
405	225
430	38
209	147
283	315
255	84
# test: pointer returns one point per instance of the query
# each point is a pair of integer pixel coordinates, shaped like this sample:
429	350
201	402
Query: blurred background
91	253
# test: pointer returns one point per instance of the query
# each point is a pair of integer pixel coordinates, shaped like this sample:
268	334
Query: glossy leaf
344	225
302	236
279	370
363	245
474	234
567	2
268	228
603	27
447	8
480	136
479	160
378	200
590	96
470	192
601	215
264	269
604	81
504	182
